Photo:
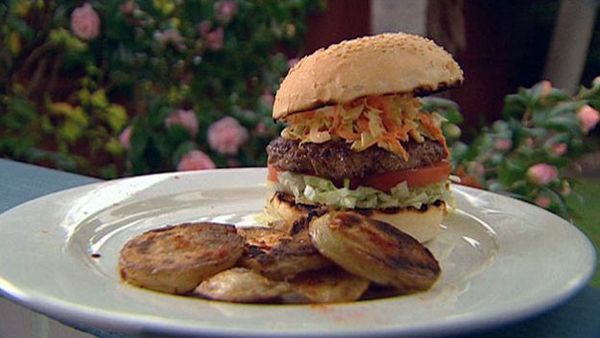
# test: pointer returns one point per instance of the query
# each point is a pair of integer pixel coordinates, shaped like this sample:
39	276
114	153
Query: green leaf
515	105
21	113
98	99
181	150
458	153
114	147
116	117
61	36
511	171
561	109
561	123
177	134
70	131
559	205
78	116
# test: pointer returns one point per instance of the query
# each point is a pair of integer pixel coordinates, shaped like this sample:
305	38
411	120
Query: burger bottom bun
422	224
281	206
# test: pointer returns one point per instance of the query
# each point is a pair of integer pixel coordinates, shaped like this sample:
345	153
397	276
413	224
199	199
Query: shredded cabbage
316	190
385	121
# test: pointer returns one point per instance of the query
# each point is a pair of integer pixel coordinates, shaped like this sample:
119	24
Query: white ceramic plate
502	260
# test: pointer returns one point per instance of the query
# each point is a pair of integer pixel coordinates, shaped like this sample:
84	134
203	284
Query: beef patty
336	161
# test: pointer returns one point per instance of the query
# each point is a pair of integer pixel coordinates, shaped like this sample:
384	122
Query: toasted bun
374	65
281	206
423	225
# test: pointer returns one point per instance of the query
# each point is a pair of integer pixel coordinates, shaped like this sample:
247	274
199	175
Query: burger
356	136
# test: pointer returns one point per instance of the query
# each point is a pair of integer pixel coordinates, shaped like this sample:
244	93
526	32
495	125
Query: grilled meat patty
336	161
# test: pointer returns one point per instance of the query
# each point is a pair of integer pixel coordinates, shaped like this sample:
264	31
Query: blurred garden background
117	88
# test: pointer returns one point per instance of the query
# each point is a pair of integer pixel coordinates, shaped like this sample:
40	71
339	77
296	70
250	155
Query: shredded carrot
337	118
389	123
363	123
379	102
434	130
394	127
430	126
347	134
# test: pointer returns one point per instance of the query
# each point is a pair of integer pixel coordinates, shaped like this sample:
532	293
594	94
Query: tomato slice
385	181
417	177
272	173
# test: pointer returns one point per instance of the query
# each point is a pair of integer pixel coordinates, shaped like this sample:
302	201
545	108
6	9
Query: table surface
19	183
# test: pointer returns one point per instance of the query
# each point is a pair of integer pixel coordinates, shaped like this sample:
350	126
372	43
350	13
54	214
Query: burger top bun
373	65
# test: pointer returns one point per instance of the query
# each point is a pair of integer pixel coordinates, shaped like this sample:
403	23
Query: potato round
241	285
326	286
175	259
374	250
279	255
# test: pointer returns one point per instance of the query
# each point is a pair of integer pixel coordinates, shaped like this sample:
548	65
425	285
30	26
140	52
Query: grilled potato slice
374	250
278	255
175	259
241	285
326	286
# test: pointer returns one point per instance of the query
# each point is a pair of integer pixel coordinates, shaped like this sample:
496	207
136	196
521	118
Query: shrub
112	88
531	153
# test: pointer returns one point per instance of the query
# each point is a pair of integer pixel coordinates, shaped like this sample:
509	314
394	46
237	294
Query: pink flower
503	144
267	98
261	128
195	160
543	201
173	37
204	27
214	39
559	149
127	7
476	169
589	117
233	163
292	62
542	173
226	9
227	135
529	142
125	137
546	88
85	22
185	118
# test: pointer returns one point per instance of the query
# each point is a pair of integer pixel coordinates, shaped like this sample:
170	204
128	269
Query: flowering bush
530	154
112	88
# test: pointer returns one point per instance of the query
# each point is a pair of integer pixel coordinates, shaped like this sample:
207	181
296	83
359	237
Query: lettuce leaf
316	190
